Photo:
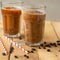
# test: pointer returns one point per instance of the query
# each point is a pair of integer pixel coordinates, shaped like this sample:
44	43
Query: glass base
12	36
33	44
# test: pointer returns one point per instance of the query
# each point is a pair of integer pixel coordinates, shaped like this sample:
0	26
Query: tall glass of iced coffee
11	14
34	18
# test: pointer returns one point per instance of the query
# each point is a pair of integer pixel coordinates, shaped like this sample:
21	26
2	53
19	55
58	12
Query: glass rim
33	7
15	2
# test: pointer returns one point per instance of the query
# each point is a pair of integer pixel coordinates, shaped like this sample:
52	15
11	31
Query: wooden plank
6	43
49	36
5	40
2	57
56	26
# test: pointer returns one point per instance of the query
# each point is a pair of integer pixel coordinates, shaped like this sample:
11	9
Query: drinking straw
17	45
3	46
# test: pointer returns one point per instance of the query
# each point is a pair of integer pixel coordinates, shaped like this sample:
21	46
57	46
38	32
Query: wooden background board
50	36
6	43
56	26
40	54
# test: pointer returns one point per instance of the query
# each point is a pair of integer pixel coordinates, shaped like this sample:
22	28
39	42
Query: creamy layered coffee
11	20
34	26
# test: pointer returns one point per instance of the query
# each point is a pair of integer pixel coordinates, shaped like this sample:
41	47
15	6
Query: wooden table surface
52	34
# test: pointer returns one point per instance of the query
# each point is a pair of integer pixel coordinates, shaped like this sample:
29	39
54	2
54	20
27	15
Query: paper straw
9	39
17	45
3	46
21	48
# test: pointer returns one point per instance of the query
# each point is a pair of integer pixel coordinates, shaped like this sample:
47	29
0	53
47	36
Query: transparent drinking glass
34	20
11	15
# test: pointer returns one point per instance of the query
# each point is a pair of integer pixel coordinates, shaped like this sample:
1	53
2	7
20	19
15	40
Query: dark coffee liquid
11	20
34	25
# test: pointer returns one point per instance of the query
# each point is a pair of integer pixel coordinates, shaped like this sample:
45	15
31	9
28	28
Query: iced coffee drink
11	20
34	26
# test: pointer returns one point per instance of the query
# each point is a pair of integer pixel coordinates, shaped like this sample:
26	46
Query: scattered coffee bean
57	41
51	44
26	56
42	45
54	44
28	51
16	56
48	45
3	54
45	42
33	49
39	47
11	49
21	37
58	44
48	50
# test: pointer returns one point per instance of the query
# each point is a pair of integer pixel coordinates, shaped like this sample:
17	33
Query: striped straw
17	45
22	49
9	39
3	46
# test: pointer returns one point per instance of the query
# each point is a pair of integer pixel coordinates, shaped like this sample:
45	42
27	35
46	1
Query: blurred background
52	10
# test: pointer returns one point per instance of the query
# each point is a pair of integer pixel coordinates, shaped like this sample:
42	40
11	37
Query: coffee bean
54	44
48	50
26	56
42	45
48	45
39	47
3	54
59	50
16	56
51	44
45	42
57	41
11	49
33	49
21	37
28	51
